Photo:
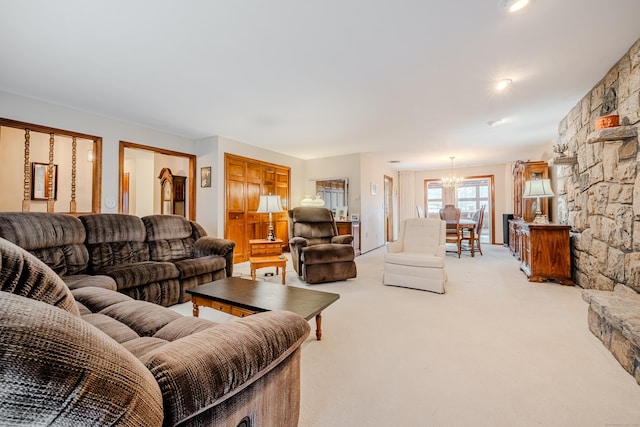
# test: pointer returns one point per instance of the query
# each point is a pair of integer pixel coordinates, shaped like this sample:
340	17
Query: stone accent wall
599	196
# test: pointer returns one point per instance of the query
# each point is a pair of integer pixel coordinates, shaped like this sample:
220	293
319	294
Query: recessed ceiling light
502	84
394	161
514	5
493	123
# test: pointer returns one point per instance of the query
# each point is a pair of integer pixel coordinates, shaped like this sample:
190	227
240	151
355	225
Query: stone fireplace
599	197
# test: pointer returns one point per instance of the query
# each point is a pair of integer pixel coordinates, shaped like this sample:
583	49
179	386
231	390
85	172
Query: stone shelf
618	133
563	161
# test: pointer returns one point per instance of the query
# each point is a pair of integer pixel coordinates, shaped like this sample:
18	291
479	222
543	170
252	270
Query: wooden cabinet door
525	171
245	181
235	223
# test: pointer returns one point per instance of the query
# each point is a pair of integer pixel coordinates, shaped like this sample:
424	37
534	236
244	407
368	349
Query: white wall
112	132
338	167
372	206
210	201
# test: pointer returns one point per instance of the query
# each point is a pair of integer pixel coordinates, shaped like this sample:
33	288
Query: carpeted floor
495	350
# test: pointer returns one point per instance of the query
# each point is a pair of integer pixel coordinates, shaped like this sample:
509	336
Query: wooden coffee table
243	297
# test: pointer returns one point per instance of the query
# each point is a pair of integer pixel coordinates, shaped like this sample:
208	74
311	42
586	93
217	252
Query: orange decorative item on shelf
607	121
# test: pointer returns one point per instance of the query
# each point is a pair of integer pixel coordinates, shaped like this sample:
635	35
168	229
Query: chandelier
451	181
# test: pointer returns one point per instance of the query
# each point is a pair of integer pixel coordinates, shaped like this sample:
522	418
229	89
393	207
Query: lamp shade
269	204
537	188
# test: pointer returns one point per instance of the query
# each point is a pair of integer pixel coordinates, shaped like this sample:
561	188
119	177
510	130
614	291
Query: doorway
388	209
139	169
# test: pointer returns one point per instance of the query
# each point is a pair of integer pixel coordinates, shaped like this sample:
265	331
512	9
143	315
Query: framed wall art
205	177
40	181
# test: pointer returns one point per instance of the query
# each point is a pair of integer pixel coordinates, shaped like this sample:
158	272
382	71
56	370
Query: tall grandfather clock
172	193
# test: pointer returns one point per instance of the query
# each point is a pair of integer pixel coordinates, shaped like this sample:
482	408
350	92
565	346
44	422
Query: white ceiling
408	80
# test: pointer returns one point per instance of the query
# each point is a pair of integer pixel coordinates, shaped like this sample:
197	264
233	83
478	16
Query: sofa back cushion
114	239
23	274
56	239
423	235
314	224
170	237
59	369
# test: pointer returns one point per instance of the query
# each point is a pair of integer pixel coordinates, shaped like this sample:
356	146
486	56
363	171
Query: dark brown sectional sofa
155	258
95	357
75	352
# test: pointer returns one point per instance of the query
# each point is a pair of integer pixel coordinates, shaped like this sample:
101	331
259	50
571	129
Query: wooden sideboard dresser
545	252
353	228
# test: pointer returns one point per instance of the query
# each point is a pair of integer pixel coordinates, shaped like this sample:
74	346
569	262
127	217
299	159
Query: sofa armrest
344	239
441	251
299	242
203	369
396	246
208	245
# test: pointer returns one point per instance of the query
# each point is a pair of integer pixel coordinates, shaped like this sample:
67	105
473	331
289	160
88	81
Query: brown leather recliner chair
318	254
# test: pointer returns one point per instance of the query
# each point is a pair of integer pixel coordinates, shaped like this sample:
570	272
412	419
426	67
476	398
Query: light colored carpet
495	350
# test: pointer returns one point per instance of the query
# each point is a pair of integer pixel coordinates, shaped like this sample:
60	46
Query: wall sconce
90	156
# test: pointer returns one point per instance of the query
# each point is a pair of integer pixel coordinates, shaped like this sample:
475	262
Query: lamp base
271	236
541	219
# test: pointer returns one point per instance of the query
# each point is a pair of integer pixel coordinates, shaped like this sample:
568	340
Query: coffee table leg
196	310
284	273
319	326
253	272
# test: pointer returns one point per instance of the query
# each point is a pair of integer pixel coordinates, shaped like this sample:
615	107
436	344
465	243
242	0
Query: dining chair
451	215
478	218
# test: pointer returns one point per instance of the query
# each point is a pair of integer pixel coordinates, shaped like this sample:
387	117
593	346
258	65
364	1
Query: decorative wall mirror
334	192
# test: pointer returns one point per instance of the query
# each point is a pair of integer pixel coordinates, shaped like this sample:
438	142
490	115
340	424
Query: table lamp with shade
270	204
535	189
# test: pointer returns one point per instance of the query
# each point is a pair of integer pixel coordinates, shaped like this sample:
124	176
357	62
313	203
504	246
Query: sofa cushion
167	227
56	368
84	280
197	266
327	253
170	237
120	332
21	273
103	255
143	317
414	259
56	239
182	327
141	273
114	239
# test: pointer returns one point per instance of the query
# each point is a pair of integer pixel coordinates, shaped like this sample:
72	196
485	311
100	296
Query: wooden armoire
245	181
543	249
524	209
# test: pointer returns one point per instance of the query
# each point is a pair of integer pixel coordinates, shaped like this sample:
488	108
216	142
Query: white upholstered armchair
416	259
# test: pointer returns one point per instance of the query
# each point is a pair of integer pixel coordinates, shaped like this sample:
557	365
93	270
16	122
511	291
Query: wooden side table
267	253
